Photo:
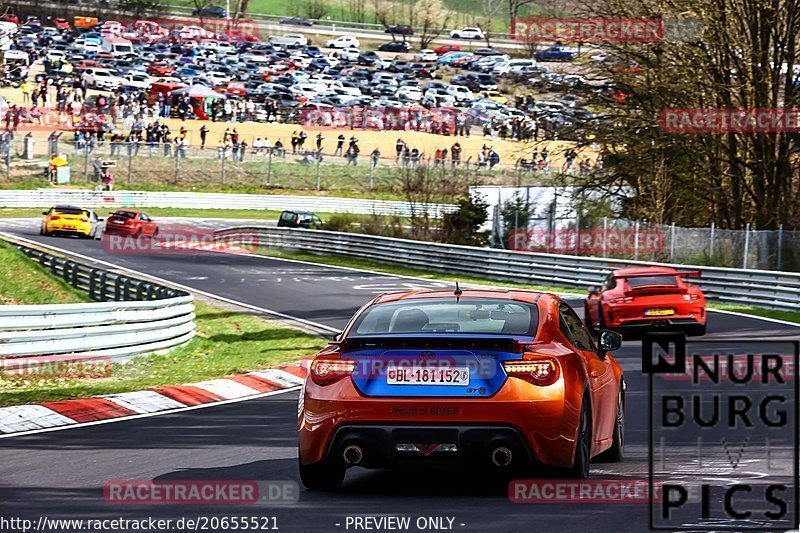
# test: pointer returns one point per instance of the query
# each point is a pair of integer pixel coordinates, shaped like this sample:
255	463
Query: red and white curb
25	418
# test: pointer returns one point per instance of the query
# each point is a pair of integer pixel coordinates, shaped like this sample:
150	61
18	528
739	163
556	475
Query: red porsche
480	378
640	299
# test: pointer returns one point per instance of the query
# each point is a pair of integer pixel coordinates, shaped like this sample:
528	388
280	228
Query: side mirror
100	219
593	289
45	212
609	341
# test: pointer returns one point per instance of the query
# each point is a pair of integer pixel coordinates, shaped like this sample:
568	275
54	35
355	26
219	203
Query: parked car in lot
402	387
444	48
127	222
555	53
395	46
345	41
467	33
71	220
100	78
299	219
635	300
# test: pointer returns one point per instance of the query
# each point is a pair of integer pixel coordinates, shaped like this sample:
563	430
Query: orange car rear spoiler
688	273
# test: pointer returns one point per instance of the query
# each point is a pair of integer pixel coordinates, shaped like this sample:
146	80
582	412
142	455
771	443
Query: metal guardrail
132	317
143	199
772	289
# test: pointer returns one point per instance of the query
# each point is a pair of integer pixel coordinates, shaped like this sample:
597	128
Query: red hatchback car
639	299
128	222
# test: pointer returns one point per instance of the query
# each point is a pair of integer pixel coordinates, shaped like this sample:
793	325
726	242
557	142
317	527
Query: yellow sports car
71	220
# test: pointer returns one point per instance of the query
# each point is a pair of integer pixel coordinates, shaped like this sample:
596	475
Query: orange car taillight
325	371
55	217
691	297
622	300
539	371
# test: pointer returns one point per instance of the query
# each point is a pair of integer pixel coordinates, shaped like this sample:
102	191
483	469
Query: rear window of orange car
650	281
478	316
124	214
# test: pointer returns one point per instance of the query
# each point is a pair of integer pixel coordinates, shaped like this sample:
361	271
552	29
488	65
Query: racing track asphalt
62	473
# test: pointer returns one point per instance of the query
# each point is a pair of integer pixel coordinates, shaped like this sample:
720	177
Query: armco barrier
143	199
132	317
778	290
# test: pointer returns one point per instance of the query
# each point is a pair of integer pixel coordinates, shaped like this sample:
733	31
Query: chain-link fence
626	239
253	163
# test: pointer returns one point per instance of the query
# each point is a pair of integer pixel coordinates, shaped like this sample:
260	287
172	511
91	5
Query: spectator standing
203	134
376	156
339	144
455	153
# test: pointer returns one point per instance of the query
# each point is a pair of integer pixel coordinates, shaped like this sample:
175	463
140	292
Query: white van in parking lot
117	46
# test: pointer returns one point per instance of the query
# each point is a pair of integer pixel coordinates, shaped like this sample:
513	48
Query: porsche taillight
691	297
55	217
84	219
326	370
541	371
622	300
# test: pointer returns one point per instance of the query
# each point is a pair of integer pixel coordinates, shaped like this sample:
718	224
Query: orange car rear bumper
541	420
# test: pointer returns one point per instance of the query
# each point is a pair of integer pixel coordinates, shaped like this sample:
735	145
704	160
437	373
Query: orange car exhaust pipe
353	455
501	456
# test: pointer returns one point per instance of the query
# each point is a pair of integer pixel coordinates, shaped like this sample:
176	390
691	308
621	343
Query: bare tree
491	10
745	58
432	18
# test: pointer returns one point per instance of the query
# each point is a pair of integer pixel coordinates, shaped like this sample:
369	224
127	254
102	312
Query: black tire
321	476
583	445
616	453
42	231
697	331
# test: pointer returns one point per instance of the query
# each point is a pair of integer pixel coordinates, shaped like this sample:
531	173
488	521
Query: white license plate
427	375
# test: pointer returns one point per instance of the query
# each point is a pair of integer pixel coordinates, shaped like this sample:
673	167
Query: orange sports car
635	300
481	378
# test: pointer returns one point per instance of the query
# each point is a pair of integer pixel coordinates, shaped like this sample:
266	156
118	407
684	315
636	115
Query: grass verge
226	343
788	316
23	282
